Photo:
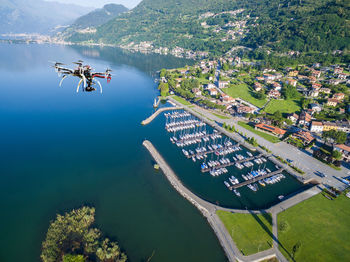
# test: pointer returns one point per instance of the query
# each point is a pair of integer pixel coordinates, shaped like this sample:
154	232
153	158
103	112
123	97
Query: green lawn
251	233
243	91
322	228
266	136
181	100
284	106
220	116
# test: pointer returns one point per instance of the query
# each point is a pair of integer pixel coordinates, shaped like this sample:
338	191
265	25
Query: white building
316	127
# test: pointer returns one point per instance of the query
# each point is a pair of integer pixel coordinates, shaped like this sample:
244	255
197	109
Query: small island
71	238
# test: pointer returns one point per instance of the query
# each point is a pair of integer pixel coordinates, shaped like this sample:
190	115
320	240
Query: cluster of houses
334	75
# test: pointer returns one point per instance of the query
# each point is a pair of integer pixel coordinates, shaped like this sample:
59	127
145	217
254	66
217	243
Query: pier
256	179
212	151
231	163
155	114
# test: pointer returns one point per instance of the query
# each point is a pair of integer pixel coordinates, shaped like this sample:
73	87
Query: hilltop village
306	106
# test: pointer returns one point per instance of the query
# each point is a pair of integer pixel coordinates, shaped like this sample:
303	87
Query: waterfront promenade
208	210
301	159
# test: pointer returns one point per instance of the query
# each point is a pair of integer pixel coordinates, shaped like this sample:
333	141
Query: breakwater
155	114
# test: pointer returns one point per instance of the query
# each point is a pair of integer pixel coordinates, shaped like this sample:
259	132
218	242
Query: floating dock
256	179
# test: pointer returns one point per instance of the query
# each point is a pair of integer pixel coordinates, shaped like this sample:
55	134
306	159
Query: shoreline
208	210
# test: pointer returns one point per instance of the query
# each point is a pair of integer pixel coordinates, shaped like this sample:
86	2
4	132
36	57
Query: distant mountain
99	16
36	16
218	25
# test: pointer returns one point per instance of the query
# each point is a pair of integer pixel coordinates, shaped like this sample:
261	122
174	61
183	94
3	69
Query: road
301	159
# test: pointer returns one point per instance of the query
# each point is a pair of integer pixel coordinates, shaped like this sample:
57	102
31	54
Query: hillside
216	26
99	16
36	16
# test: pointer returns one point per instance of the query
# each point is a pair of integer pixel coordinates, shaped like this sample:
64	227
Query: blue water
61	150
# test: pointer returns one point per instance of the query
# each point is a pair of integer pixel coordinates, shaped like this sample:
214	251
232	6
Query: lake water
61	149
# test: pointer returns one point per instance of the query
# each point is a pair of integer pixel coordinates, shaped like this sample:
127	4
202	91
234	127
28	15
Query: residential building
258	86
338	70
345	150
315	107
243	109
316	127
196	91
292	82
316	73
293	117
325	90
227	99
304	119
316	86
223	84
213	91
305	137
293	73
271	130
329	126
339	96
276	86
344	126
274	94
314	93
332	102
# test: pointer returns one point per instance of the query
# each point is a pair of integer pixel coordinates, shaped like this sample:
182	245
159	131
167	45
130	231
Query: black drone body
85	73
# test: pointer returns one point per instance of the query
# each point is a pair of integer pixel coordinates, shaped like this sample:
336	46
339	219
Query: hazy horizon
99	3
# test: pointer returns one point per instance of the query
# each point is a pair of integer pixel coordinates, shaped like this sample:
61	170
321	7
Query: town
306	106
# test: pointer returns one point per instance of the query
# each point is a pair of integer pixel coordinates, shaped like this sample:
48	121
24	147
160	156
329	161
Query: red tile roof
272	129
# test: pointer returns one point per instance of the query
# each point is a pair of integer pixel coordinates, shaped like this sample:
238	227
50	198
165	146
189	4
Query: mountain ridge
217	26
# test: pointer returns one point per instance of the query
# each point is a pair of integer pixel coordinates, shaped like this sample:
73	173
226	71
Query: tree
70	238
337	155
162	72
73	258
164	89
305	102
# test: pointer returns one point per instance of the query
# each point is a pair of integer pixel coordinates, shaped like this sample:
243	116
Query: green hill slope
218	25
99	16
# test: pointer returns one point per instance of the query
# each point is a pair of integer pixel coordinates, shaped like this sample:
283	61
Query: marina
220	156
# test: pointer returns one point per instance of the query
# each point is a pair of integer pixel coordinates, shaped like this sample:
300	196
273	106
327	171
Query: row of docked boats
218	172
233	181
177	114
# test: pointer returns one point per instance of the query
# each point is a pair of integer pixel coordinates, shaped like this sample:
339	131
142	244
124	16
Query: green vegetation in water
252	233
181	100
71	238
317	229
244	92
268	137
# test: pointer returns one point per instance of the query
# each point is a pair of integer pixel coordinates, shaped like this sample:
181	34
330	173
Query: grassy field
321	226
251	233
266	136
181	100
284	106
243	91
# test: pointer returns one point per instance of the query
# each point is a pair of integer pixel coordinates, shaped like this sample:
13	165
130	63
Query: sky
99	3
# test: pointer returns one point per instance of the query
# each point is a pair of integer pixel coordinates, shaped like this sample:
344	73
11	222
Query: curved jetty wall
206	208
155	114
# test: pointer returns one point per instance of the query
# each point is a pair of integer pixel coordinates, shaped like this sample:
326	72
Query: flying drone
84	72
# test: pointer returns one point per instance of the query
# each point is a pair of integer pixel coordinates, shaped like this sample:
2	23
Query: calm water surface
60	150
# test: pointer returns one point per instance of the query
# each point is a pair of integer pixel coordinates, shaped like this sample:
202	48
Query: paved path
301	159
209	210
155	114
